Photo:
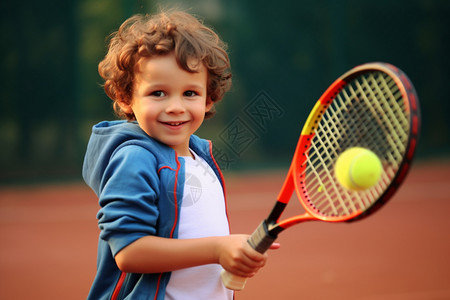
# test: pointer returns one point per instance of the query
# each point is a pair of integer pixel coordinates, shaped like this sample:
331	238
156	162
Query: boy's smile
168	102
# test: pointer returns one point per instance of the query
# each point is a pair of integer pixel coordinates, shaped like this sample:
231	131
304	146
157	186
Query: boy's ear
209	104
125	107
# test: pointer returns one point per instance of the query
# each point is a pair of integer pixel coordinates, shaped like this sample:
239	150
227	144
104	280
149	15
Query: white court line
430	192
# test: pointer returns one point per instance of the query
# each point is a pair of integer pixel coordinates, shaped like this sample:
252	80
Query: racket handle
260	240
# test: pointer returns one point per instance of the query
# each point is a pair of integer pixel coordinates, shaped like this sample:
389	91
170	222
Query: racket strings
368	112
385	115
329	142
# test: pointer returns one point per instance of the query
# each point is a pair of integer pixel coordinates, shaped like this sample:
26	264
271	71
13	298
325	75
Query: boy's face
168	102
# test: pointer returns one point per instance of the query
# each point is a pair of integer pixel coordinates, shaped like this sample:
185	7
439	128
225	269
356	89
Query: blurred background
283	54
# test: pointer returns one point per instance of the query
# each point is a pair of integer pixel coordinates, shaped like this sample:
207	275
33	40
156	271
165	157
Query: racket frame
295	180
267	232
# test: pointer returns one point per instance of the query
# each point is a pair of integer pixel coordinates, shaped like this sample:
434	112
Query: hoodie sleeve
128	197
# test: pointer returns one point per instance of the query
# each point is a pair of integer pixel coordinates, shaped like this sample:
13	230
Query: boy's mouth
175	123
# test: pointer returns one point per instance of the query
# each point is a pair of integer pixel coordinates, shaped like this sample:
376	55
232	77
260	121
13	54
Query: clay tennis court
48	239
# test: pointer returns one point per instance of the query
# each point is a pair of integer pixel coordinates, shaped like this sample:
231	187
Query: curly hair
144	36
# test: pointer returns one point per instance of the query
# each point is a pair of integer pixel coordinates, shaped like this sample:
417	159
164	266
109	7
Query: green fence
284	54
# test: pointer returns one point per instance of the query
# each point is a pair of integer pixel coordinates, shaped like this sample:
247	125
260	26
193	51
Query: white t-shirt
202	214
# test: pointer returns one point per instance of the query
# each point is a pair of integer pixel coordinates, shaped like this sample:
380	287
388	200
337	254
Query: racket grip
260	240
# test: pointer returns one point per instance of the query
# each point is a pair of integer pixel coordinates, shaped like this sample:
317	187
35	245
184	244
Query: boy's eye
158	94
190	94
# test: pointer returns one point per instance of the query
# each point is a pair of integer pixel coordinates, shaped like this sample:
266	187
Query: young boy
159	239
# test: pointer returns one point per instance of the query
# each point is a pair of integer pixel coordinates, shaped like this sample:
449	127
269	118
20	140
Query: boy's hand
238	257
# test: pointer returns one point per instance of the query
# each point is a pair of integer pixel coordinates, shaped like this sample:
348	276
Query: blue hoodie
139	182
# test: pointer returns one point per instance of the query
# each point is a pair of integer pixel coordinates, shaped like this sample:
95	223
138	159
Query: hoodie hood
109	136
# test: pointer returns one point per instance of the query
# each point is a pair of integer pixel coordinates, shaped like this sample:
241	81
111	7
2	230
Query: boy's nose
175	105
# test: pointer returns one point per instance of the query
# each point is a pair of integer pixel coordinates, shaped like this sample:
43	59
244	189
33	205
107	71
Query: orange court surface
49	233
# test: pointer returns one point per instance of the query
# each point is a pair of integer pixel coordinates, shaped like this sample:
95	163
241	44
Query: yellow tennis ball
358	169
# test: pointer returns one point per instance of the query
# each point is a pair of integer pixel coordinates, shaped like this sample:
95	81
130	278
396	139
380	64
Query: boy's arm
152	254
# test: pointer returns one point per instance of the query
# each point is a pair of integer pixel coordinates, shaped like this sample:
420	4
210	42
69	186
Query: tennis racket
373	106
